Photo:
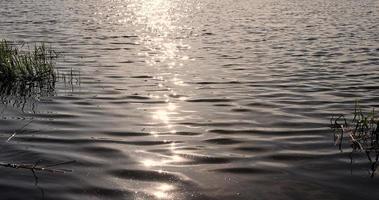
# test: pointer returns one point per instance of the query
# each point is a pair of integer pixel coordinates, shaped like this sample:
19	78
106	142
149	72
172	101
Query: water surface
190	99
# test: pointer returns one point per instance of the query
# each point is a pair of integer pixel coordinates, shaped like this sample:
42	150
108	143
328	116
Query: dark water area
190	99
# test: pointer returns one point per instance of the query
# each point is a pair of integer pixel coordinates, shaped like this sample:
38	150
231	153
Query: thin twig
34	167
15	132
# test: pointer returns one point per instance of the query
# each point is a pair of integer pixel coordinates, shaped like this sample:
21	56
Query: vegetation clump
362	133
33	65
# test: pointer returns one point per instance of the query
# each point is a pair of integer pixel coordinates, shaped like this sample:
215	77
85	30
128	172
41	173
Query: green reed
362	133
33	65
28	74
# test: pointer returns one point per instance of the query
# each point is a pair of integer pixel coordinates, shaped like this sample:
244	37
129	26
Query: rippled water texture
190	99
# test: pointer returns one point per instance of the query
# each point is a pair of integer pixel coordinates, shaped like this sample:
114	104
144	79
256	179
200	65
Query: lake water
192	99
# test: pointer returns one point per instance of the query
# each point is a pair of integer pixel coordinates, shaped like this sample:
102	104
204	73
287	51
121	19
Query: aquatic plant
31	65
362	134
28	74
